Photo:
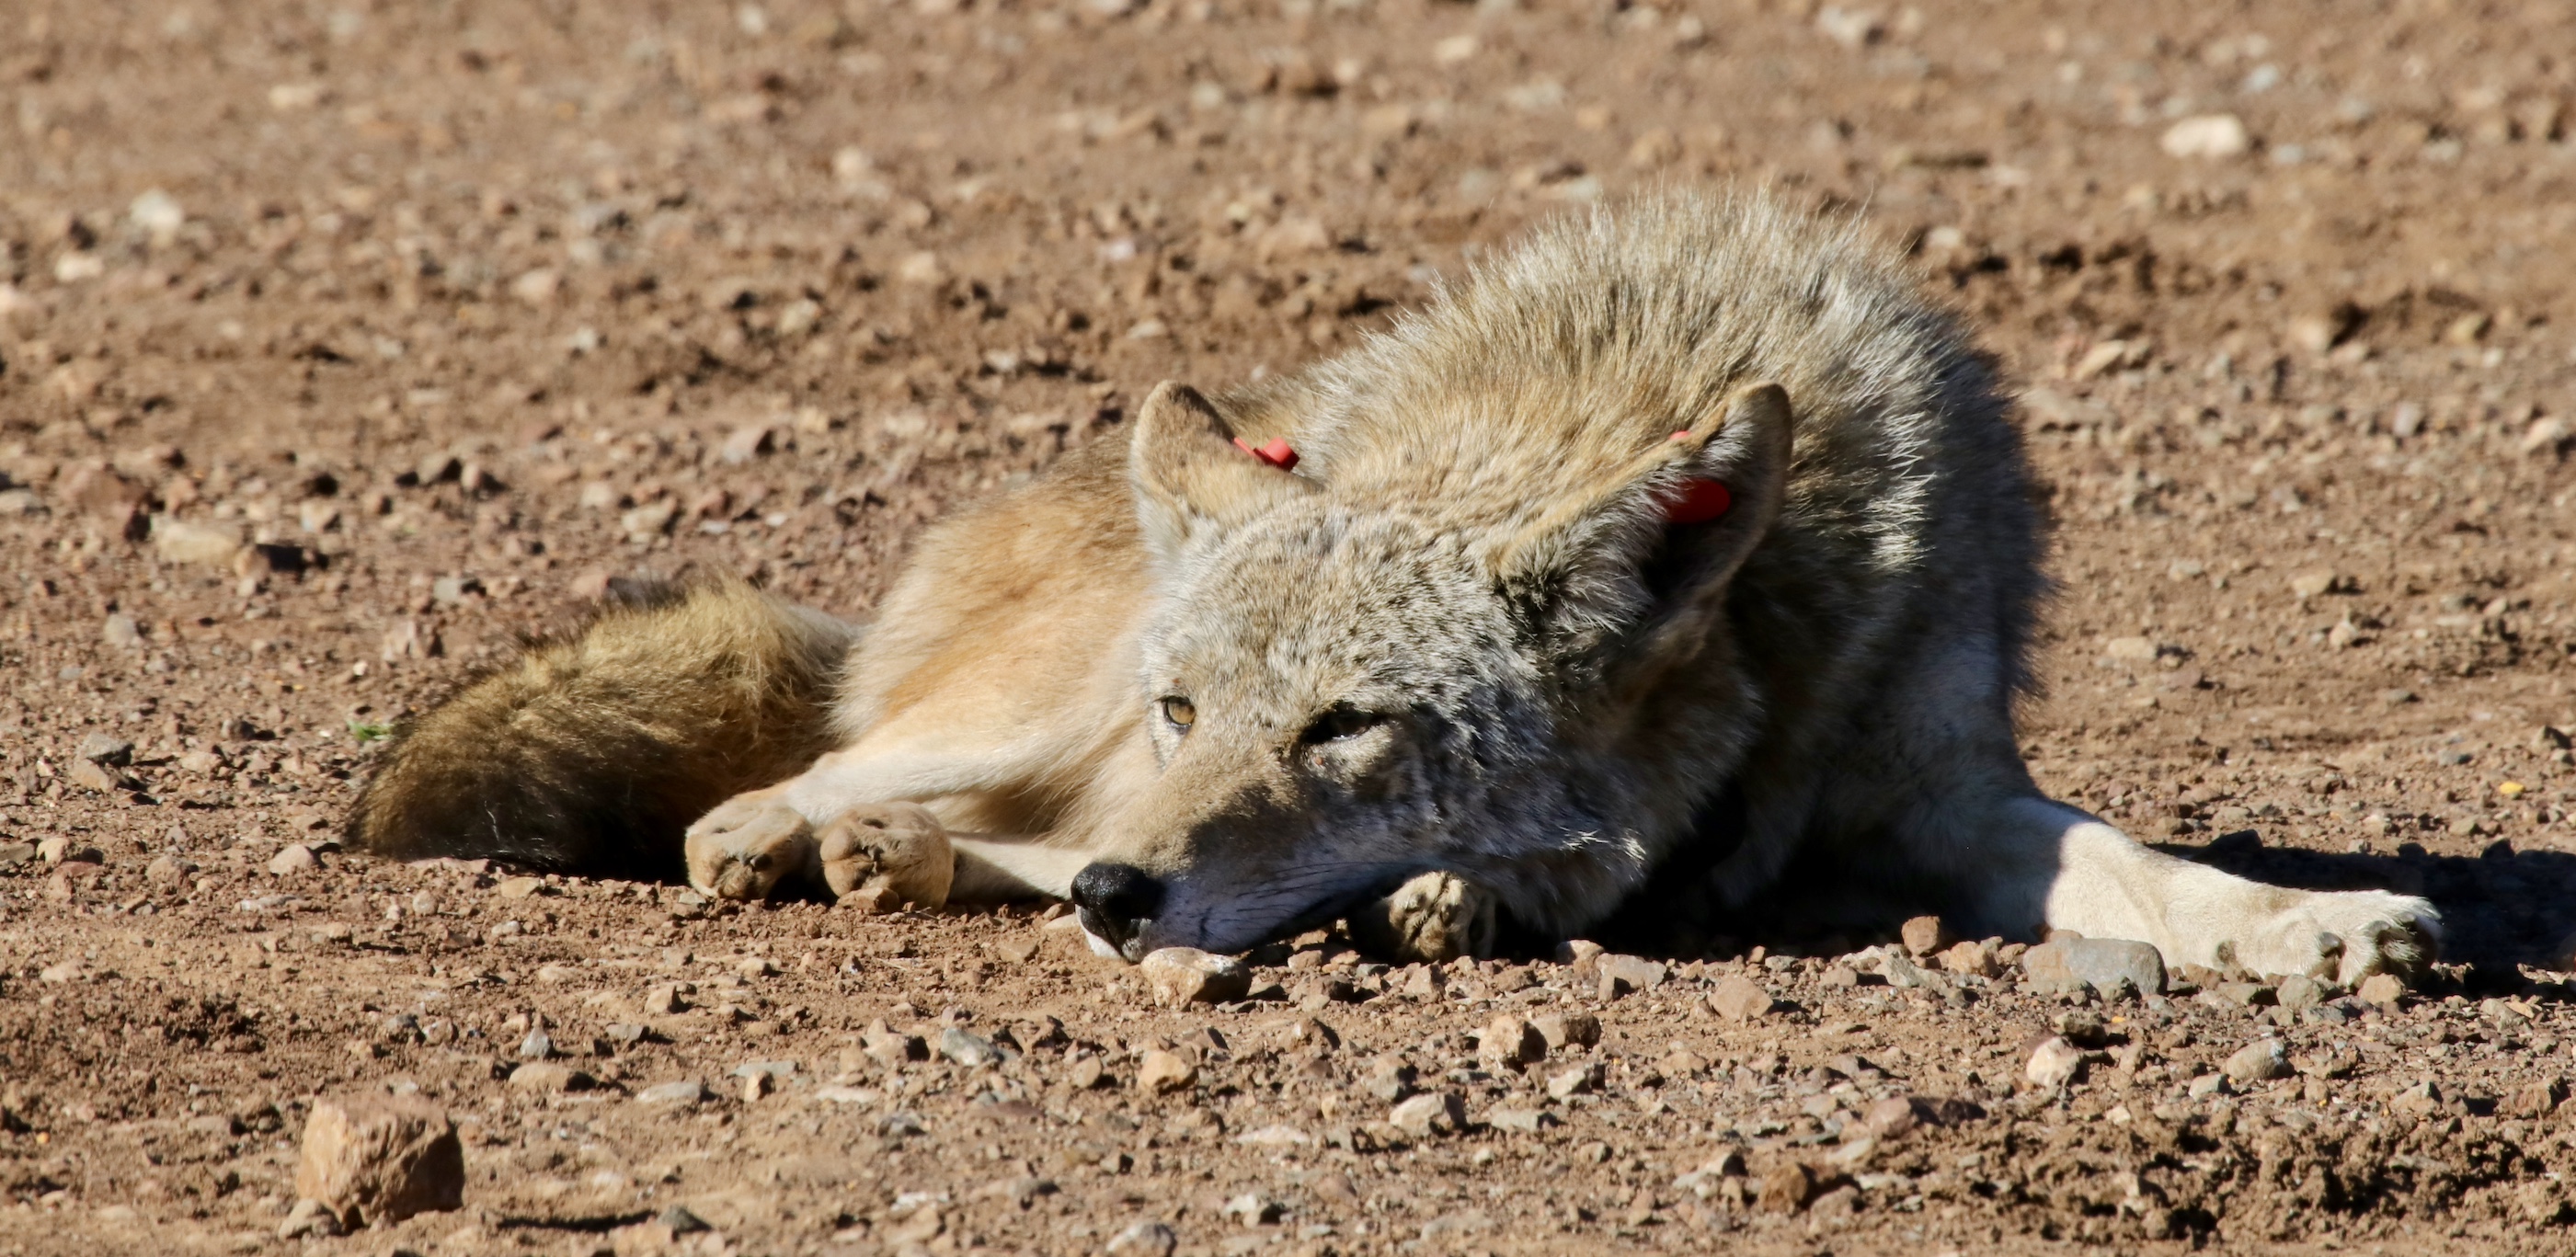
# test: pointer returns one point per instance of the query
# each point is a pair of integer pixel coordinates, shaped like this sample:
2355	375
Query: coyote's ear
1193	477
1641	563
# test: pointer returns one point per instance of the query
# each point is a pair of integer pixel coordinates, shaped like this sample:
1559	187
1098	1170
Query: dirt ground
455	309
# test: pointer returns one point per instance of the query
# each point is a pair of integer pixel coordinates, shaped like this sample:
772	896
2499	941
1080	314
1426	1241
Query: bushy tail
594	754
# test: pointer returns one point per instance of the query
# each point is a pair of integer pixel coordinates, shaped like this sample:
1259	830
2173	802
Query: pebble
62	849
121	632
1969	958
1560	1030
2108	965
168	871
1431	1113
293	858
373	1159
90	775
1521	1121
2054	1062
310	1218
1738	998
518	887
2210	135
1144	1239
2300	991
537	1046
1186	975
1573	1082
2258	1062
1786	1189
181	542
2383	989
548	1076
684	1092
1160	1071
971	1051
1925	936
1508	1042
1621	974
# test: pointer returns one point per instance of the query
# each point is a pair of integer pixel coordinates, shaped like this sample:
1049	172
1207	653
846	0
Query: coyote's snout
1685	541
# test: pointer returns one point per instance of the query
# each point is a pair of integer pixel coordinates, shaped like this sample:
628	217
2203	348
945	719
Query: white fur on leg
2105	885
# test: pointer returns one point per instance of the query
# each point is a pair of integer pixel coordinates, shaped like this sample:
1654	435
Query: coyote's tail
594	753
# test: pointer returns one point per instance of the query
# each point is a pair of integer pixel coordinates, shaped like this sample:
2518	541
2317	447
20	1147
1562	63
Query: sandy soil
456	309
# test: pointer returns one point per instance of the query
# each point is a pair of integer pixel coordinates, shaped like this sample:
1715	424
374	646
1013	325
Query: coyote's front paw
743	848
1434	917
2343	936
882	856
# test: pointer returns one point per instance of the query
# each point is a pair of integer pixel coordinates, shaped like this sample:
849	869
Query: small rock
1925	936
1144	1239
663	1000
2108	965
1786	1189
1891	1117
2207	1085
2055	1062
293	858
1574	1082
1254	1209
518	887
1969	958
1508	1042
548	1076
121	632
2129	650
684	1092
1186	975
309	1219
89	775
168	871
1521	1121
182	542
1431	1113
971	1051
747	442
681	1221
377	1159
2212	135
1558	1030
1621	974
2299	991
1738	998
537	1046
1160	1071
2258	1062
2383	989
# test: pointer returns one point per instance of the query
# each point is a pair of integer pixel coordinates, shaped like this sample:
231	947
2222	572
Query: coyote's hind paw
746	846
1434	917
882	856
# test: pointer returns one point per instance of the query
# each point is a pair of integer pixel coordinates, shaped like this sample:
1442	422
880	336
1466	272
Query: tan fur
1457	676
653	715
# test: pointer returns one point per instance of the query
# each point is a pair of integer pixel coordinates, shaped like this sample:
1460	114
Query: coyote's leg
1434	917
2048	861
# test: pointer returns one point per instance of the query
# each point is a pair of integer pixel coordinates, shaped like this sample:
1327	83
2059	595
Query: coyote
1683	550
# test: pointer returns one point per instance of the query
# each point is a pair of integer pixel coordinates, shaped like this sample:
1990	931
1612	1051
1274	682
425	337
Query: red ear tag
1277	453
1697	502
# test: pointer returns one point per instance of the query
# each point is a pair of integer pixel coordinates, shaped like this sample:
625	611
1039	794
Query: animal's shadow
2500	909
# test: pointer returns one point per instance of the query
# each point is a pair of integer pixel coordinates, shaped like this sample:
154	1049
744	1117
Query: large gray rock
2105	964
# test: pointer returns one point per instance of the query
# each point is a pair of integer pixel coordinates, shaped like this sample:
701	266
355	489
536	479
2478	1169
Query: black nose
1115	900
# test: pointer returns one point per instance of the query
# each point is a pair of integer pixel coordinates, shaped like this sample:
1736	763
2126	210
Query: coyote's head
1363	674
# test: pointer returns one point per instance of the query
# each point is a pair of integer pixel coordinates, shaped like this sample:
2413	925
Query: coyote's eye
1341	723
1181	712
